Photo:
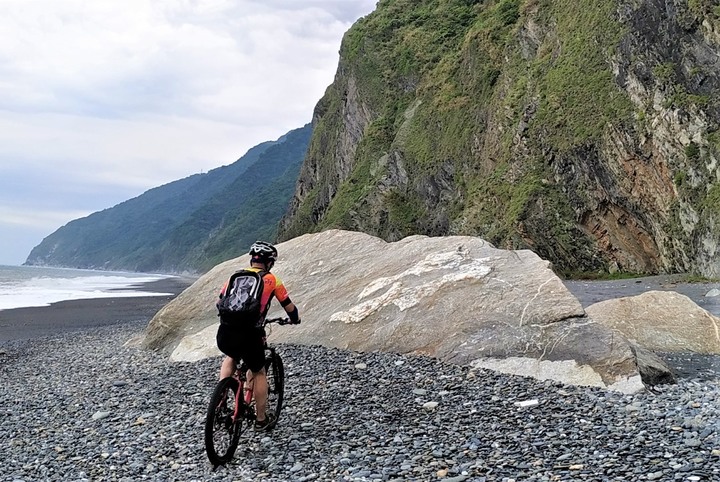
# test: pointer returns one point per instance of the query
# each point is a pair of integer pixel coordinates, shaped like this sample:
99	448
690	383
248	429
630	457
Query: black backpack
239	306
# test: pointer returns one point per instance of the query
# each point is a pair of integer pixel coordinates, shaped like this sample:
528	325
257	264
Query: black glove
294	316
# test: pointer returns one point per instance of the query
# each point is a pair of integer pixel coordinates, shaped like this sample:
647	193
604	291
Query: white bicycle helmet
263	252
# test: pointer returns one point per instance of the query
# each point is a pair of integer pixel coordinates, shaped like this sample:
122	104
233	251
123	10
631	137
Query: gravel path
77	407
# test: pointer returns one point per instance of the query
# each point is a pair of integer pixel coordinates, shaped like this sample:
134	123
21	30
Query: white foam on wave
42	291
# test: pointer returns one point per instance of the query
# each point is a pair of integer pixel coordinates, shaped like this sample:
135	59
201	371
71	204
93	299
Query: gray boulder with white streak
456	298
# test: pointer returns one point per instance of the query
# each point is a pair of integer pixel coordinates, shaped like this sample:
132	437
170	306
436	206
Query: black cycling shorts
245	344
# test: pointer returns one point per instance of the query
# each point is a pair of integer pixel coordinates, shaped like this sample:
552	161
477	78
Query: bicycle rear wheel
222	433
276	382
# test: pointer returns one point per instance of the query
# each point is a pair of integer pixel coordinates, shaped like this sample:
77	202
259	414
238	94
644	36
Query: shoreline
21	325
28	323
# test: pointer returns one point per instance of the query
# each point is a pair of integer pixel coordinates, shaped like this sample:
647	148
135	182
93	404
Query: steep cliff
589	135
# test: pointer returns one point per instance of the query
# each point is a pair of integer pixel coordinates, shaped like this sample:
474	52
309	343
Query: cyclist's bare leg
260	390
227	368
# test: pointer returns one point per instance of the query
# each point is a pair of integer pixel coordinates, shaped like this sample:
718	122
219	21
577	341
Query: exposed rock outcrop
455	298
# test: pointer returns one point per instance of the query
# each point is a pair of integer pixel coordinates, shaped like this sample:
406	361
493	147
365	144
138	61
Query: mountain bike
232	407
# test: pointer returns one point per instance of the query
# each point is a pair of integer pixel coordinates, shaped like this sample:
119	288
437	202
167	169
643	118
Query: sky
101	100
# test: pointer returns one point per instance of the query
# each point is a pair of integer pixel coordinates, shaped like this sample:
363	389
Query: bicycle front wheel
222	432
276	383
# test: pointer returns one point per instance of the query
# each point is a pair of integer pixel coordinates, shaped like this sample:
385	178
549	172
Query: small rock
459	478
100	415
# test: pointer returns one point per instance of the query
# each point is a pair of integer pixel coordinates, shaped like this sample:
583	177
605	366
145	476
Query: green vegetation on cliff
519	121
449	81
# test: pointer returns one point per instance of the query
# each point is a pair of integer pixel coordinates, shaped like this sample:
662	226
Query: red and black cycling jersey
272	287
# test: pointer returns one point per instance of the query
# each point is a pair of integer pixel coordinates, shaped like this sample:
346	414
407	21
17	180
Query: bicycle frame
247	395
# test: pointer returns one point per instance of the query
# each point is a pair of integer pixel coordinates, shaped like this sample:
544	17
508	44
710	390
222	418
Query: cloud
212	59
172	86
34	218
143	152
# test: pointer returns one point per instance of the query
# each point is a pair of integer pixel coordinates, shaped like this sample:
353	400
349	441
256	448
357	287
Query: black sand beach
77	315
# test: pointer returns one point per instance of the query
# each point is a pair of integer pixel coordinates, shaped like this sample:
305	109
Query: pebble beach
82	406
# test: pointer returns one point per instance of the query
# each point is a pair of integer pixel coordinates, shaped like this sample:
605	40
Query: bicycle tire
222	435
276	383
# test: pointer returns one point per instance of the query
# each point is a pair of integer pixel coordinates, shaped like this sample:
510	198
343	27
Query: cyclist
248	343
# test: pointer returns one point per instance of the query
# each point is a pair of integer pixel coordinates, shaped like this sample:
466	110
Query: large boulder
661	321
456	298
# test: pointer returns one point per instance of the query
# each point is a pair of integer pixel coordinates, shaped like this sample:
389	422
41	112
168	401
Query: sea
26	286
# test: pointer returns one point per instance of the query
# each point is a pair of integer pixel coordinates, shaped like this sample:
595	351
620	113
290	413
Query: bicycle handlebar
280	321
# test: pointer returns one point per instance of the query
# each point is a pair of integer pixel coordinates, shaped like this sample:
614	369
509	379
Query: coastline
20	325
27	323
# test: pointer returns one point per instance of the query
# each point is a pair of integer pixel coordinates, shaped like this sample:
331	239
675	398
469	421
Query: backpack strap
262	274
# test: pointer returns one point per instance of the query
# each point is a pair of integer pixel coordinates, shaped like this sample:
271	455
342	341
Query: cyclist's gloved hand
294	316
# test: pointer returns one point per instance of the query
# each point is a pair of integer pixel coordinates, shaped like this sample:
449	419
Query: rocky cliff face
589	137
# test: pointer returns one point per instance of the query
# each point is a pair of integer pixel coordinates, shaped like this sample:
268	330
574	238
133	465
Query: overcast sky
101	100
